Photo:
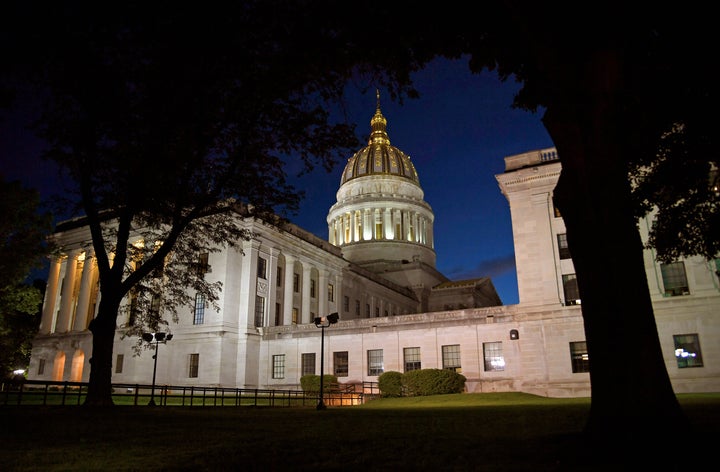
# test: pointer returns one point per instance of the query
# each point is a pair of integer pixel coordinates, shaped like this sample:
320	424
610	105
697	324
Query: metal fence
34	392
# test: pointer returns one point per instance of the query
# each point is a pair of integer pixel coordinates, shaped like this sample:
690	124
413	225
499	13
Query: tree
23	230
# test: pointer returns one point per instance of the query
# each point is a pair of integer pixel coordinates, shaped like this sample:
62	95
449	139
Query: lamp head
333	318
159	337
147	337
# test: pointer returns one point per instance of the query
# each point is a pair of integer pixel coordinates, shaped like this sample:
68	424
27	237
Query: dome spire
378	125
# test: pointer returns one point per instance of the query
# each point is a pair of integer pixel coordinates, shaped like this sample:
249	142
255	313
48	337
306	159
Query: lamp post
322	323
157	338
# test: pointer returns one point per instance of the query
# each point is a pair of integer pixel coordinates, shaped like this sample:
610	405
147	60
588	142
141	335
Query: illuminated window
199	317
259	311
308	363
262	268
687	350
193	365
563	249
493	356
331	293
412	358
119	360
557	212
278	371
294	315
570	288
202	264
674	279
378	225
451	358
579	357
375	361
340	363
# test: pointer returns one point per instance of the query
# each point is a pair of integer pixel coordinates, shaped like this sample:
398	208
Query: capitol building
397	312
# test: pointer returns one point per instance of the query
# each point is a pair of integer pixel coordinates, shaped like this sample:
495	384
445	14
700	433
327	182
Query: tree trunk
103	330
633	401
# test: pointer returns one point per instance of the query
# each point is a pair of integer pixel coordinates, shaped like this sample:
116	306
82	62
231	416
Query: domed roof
379	157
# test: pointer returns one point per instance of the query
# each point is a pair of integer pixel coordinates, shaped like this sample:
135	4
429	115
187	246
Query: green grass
463	432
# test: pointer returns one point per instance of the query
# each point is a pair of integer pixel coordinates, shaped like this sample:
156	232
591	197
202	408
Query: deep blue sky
457	134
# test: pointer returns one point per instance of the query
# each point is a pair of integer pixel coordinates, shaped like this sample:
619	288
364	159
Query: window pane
340	363
308	363
119	363
674	279
687	350
259	311
493	355
563	249
570	287
194	365
199	317
262	268
278	371
412	358
451	358
375	361
579	357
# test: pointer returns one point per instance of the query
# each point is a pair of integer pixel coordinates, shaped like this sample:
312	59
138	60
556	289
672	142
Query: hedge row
420	382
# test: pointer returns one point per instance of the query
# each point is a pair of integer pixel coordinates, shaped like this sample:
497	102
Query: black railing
35	392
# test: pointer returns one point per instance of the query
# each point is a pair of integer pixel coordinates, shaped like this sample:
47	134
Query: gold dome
379	157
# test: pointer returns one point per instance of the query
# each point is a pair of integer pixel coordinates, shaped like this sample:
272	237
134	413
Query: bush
311	383
433	382
390	384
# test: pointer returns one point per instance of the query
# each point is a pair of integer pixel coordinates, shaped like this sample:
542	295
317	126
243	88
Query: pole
321	403
152	394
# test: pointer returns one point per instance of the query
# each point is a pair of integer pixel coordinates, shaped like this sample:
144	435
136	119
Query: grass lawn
463	432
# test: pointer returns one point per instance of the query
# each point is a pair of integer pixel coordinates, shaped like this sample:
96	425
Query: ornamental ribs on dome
379	156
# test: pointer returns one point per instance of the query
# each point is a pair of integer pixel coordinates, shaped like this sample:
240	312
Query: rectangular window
294	315
346	303
331	293
278	315
687	350
308	363
41	366
375	361
296	283
119	363
412	358
493	355
199	317
377	312
262	268
312	288
340	363
579	357
674	279
357	308
278	371
367	310
259	311
570	288
451	358
193	365
202	264
563	246
278	278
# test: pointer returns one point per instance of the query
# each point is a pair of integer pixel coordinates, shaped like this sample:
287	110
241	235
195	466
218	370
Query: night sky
457	134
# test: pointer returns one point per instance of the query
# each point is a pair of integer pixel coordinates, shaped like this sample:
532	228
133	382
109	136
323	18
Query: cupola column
48	313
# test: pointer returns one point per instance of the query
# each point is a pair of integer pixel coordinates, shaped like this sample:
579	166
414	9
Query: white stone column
323	292
67	304
288	296
305	312
272	287
48	312
248	283
86	288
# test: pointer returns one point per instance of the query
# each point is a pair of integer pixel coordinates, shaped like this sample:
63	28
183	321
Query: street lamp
157	338
322	323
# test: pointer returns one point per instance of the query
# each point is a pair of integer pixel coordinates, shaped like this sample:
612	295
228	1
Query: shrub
390	384
311	383
433	382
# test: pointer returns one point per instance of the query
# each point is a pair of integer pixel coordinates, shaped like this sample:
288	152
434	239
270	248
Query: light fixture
156	338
